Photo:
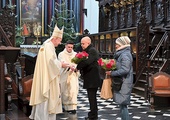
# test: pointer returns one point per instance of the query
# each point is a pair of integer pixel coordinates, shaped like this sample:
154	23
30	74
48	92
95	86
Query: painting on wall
31	17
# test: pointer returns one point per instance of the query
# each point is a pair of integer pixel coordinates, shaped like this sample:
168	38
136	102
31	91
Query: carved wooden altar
8	52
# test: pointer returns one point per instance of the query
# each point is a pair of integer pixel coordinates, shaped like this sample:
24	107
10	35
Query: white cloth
40	112
69	82
45	93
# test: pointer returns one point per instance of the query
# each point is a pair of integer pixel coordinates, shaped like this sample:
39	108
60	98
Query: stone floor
108	110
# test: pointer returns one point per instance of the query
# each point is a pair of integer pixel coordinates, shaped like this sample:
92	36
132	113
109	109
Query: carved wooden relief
7	19
129	15
115	19
167	9
122	17
137	12
148	11
142	43
159	12
110	21
101	19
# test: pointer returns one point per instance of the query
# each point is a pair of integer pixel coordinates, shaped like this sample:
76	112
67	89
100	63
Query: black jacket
89	69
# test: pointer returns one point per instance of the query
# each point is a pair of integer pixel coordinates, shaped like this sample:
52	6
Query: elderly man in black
89	70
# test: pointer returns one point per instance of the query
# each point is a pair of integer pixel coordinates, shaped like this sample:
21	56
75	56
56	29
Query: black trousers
93	102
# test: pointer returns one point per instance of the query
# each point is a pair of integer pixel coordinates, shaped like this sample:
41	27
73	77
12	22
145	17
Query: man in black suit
89	70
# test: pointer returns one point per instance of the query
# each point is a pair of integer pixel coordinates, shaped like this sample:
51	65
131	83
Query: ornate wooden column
2	87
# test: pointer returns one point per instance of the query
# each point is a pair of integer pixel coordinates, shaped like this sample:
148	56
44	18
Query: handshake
70	67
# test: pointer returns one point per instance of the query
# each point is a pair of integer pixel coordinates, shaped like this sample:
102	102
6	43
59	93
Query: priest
45	96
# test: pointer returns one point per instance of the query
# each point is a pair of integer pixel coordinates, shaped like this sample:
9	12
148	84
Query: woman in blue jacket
124	69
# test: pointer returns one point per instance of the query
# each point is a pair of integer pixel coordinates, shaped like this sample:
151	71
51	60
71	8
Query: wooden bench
25	91
159	90
11	90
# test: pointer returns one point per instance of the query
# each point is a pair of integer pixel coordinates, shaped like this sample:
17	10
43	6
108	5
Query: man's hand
72	67
108	72
65	65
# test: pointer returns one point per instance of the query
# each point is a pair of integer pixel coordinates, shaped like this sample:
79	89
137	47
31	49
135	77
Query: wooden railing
104	42
159	57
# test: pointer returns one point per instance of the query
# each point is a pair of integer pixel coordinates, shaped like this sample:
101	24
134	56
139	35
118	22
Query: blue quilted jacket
124	67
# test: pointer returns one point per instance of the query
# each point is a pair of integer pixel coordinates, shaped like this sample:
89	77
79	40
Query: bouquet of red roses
106	90
107	64
79	57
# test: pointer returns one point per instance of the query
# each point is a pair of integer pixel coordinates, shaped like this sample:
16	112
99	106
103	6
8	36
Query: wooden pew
24	97
159	90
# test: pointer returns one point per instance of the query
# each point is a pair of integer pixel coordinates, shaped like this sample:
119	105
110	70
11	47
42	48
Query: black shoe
87	118
71	111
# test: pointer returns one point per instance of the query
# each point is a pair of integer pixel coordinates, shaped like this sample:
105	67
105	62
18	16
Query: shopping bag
106	91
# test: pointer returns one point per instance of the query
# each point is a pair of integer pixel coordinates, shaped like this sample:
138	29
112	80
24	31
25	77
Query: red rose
79	55
85	54
100	61
107	64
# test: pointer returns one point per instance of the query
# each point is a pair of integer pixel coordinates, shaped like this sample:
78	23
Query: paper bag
106	91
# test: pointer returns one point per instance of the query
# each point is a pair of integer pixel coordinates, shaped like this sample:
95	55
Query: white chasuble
45	96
